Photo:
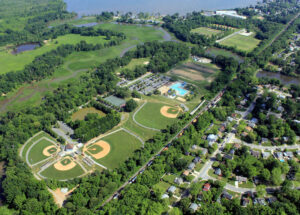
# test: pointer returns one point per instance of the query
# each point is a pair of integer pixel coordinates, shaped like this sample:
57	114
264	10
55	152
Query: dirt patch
146	63
46	150
181	99
60	197
164	112
105	149
61	167
164	89
188	74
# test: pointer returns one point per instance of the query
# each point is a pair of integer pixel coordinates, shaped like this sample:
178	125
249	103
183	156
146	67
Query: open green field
26	147
122	146
53	173
241	42
206	31
150	116
10	62
216	51
36	153
77	64
134	63
83	20
80	114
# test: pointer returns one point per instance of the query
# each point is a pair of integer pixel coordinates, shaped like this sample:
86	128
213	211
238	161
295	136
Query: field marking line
136	136
23	146
49	158
133	118
29	149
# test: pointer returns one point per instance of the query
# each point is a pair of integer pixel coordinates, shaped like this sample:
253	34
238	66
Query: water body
91	24
25	47
286	80
89	7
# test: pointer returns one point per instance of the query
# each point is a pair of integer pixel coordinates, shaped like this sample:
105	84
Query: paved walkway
231	35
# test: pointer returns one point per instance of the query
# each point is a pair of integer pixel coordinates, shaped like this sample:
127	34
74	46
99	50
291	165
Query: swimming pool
178	87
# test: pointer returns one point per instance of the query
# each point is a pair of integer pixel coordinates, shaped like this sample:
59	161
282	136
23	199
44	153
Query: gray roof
266	154
191	166
172	189
218	171
194	206
178	180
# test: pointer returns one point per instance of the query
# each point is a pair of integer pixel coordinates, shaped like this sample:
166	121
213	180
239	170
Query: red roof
206	187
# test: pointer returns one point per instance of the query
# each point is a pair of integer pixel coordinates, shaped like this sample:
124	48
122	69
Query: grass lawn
243	43
206	31
53	173
10	62
43	134
36	153
162	186
134	63
150	116
169	178
122	146
80	115
249	184
216	51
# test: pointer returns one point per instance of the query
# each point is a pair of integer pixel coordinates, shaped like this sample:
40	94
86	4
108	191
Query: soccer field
206	31
243	43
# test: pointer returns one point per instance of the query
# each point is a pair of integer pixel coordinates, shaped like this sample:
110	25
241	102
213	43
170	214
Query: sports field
241	42
151	116
206	31
80	114
52	172
122	146
41	150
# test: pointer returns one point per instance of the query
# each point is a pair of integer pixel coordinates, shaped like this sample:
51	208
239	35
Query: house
228	157
172	189
279	156
178	181
260	201
194	147
193	207
288	154
255	153
244	134
165	196
241	179
212	138
264	140
285	139
245	202
254	120
218	172
204	151
271	200
191	166
69	147
237	146
249	129
265	155
227	196
222	129
206	187
230	119
231	151
251	125
197	160
186	172
249	194
298	152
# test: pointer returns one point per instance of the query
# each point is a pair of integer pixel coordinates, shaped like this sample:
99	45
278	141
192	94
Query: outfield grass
10	62
206	31
36	153
150	116
243	43
43	134
122	146
80	115
53	173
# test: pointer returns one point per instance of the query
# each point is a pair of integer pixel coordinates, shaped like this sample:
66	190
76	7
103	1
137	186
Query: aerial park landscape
141	112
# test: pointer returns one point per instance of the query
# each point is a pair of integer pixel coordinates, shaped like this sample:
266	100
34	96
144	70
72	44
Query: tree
265	174
261	190
276	176
130	105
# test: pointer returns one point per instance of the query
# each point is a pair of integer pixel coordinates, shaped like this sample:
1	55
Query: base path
164	112
133	118
61	167
105	149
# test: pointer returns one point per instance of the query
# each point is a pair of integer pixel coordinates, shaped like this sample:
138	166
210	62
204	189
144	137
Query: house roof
194	206
172	189
69	146
191	166
241	178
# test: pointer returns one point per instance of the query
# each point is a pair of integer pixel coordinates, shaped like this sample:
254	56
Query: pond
286	80
91	24
25	47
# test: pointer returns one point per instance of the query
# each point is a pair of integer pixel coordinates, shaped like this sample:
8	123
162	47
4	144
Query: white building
231	13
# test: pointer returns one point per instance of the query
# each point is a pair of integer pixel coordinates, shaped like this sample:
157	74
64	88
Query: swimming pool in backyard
179	88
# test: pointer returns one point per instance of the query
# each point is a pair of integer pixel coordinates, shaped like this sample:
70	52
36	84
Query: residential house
206	187
222	128
254	120
230	119
228	157
241	179
279	156
172	189
237	146
265	155
248	129
178	181
197	160
226	195
218	172
288	154
204	151
255	153
186	172
191	166
69	147
251	125
194	147
165	196
212	138
260	201
193	207
271	200
298	152
232	151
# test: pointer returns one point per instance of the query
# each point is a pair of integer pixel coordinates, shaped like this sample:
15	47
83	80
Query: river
89	7
286	80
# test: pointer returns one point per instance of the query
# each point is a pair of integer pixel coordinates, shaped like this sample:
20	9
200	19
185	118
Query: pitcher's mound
170	112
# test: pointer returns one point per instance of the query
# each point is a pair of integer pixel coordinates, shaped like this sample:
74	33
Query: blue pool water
178	87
